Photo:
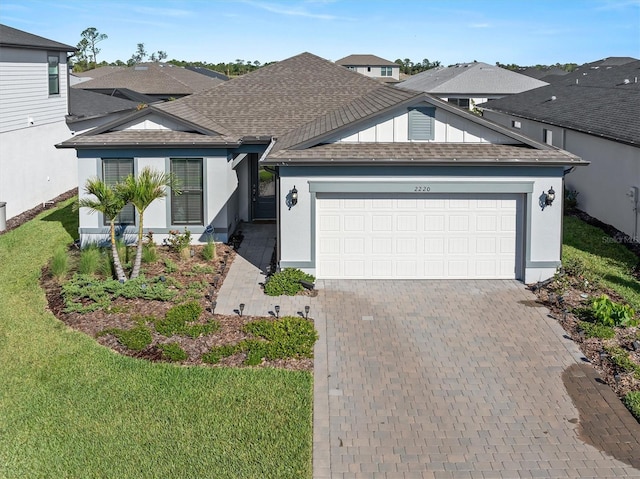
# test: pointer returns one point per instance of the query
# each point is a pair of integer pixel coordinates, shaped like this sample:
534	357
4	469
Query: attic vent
141	68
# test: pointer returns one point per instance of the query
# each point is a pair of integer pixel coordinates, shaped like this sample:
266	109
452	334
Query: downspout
565	173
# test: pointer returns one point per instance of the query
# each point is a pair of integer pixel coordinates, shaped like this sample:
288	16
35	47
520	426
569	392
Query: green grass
71	408
600	259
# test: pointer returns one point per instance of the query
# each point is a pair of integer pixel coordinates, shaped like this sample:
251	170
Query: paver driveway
447	379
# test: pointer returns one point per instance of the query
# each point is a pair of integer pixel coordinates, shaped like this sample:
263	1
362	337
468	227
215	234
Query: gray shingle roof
593	101
147	138
12	37
365	60
153	79
100	72
471	78
431	153
208	72
87	104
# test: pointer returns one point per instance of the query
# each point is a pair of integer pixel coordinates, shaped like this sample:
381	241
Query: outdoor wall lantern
294	196
550	196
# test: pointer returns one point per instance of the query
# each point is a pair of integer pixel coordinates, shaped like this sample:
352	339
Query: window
113	171
186	208
368	69
352	68
53	61
461	102
516	124
421	123
386	71
547	136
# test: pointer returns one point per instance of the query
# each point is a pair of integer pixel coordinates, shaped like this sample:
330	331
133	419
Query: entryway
263	191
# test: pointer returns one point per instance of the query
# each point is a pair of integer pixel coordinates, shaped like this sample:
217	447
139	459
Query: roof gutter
268	150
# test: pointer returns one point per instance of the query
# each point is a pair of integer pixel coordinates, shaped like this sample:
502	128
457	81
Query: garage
430	236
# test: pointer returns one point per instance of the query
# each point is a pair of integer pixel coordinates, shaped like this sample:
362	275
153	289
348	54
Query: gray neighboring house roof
543	74
153	79
299	103
84	104
475	78
99	72
208	72
12	37
601	102
365	60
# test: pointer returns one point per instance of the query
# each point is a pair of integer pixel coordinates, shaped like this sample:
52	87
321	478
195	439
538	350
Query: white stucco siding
32	170
540	229
603	185
449	128
24	89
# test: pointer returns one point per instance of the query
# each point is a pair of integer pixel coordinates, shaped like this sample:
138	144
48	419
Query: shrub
593	330
621	359
176	319
288	337
90	260
632	401
217	353
59	263
286	282
209	251
610	313
177	241
170	266
570	199
172	352
136	338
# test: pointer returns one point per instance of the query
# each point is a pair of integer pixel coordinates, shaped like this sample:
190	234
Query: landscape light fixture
192	252
277	309
306	311
214	303
550	196
294	196
241	308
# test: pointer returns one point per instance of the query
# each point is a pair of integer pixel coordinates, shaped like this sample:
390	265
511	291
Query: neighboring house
89	110
372	66
467	84
161	81
364	180
81	77
208	72
593	113
33	106
545	74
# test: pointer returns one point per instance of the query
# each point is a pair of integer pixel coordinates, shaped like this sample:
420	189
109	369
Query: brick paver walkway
443	379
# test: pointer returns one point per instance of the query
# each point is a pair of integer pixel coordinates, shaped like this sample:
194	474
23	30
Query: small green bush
178	241
286	282
217	353
610	313
172	352
90	260
176	319
209	251
621	359
200	269
288	337
593	330
632	401
170	266
136	338
59	263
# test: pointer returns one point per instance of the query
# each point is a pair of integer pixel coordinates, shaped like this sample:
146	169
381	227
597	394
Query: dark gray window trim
58	93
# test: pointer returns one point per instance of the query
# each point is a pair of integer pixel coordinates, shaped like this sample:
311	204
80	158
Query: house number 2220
422	188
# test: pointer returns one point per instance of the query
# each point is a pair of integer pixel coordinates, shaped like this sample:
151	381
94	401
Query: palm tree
109	201
141	191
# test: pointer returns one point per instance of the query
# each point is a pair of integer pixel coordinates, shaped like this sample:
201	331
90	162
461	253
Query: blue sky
525	32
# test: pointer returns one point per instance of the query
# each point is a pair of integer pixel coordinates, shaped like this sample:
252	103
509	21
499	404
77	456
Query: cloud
294	11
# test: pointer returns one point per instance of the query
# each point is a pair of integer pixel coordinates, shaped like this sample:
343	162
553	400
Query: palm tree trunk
117	265
138	261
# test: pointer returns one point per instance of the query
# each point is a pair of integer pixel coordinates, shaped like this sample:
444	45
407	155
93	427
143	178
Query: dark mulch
123	312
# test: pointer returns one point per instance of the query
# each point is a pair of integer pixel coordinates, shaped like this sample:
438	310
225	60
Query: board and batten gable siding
447	128
24	89
152	122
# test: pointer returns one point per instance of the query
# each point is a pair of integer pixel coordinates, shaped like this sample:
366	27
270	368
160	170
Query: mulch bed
123	311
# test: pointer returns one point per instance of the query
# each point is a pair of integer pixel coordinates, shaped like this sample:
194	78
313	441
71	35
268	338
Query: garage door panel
433	236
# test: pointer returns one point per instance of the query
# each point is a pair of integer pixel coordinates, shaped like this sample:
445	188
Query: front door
263	191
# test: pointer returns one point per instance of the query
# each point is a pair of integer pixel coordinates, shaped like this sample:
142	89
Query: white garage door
394	236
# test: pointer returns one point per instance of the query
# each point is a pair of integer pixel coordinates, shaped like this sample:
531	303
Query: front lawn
72	408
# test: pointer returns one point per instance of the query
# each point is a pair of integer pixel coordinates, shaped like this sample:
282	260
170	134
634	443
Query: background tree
90	38
138	56
141	191
158	56
109	201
